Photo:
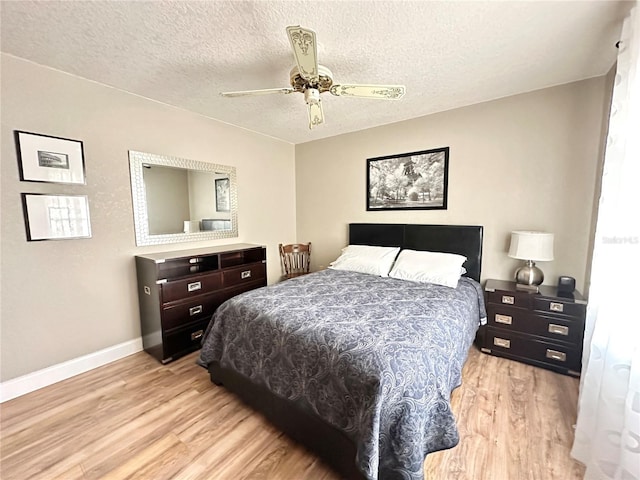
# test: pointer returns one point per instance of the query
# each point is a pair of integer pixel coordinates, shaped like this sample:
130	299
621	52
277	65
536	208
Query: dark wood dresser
543	329
179	292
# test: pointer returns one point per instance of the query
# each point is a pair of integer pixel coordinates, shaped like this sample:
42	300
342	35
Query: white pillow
429	267
366	259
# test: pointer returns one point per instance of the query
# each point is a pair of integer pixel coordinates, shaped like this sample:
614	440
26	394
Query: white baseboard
48	376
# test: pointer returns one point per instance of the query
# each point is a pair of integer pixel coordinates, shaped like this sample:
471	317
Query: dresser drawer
247	274
196	308
558	306
190	287
517	320
536	350
179	342
509	298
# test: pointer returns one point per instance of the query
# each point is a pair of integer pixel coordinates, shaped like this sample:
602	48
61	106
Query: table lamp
531	247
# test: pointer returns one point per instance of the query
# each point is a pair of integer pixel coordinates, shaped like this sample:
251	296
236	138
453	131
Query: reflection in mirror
178	200
181	200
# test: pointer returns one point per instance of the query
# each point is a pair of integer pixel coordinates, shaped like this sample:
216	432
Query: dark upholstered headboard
461	239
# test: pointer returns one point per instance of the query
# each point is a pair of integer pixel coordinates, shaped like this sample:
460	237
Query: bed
358	368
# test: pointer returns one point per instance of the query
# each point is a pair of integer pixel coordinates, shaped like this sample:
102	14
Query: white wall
527	161
65	299
521	162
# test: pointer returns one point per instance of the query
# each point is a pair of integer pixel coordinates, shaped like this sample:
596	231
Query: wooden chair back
295	259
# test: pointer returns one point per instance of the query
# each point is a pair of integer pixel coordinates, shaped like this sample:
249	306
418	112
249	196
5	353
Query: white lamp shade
536	246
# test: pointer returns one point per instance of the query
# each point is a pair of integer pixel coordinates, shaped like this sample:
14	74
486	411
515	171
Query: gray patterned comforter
375	357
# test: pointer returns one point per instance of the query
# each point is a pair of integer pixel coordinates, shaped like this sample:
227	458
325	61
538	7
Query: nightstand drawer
557	329
536	350
558	307
190	287
509	298
512	319
201	307
517	320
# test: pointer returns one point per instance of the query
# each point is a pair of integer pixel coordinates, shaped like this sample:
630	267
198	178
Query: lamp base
527	288
529	274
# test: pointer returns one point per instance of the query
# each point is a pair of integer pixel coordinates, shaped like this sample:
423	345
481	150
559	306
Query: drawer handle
556	355
502	342
559	329
504	319
194	260
192	287
556	307
508	299
197	335
195	310
245	274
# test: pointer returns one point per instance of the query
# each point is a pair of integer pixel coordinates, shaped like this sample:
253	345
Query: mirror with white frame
179	200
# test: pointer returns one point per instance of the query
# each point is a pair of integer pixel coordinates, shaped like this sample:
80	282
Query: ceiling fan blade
316	116
385	92
265	91
305	50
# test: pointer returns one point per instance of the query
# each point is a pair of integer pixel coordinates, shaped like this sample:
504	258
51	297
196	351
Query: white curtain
607	437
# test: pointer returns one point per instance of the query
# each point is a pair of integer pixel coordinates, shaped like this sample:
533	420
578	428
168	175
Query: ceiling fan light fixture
300	83
312	95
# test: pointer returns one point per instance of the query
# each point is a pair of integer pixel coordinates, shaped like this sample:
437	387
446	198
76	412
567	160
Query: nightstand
544	329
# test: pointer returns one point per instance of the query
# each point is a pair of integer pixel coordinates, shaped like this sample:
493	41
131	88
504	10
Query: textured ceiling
448	54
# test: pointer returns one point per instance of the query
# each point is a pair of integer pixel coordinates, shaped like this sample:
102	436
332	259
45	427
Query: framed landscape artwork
408	181
43	158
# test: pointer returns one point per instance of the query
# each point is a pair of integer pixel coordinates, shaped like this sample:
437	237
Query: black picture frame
45	158
408	181
223	192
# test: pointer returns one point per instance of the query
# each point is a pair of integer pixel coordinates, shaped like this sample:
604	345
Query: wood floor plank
136	418
74	473
270	461
72	446
160	460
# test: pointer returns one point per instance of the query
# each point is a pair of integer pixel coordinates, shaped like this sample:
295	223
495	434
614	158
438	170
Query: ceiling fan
311	79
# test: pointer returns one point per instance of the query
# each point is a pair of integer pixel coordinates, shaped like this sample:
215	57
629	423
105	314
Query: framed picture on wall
56	217
222	194
43	158
408	181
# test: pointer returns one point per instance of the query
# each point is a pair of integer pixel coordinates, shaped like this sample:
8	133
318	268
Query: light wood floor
135	418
